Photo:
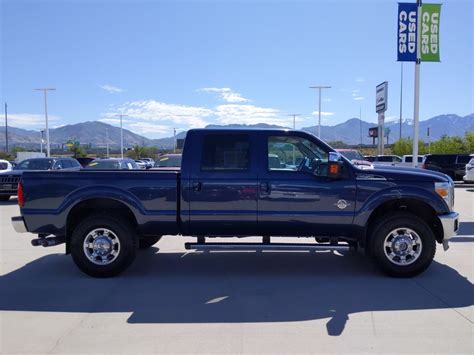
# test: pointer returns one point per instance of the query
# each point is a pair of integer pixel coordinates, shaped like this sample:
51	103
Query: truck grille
14	180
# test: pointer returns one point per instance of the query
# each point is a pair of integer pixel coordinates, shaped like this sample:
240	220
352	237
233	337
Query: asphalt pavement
175	301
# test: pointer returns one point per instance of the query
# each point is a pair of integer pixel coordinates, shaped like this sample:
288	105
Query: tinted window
352	154
384	159
169	161
35	164
441	159
104	164
75	163
410	159
3	166
66	164
225	152
463	159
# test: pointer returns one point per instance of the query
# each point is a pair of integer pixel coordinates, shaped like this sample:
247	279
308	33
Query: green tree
447	145
404	146
15	150
137	152
77	151
469	142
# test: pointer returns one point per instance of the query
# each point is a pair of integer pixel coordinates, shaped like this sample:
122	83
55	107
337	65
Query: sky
186	64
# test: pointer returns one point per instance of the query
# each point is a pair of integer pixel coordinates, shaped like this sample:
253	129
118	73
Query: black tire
391	222
147	242
4	198
125	233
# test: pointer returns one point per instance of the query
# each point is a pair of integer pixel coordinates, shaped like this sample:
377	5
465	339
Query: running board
261	246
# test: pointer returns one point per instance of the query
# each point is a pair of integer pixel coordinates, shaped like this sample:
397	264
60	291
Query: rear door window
224	152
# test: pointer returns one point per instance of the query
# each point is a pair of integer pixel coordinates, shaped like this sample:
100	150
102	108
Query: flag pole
416	105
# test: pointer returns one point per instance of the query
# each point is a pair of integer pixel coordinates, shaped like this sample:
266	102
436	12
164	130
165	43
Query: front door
223	187
296	197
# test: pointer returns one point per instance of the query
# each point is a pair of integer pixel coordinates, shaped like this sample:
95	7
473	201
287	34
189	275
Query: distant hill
95	132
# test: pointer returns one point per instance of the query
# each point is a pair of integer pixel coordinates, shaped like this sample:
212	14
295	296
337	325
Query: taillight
20	195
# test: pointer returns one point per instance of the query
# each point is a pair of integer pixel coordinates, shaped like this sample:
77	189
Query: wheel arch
106	206
417	207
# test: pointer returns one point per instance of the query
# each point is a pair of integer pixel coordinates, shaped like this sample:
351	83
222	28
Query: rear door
296	197
223	186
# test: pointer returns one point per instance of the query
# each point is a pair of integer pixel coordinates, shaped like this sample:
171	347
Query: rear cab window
225	153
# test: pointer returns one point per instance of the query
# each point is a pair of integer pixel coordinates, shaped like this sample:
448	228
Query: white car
407	160
469	177
5	165
141	164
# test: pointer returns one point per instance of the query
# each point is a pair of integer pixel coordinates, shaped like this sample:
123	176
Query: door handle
197	186
265	187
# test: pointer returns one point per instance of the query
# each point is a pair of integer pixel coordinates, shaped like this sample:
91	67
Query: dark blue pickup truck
238	183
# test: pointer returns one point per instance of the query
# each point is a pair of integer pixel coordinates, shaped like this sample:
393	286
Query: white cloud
152	110
30	120
111	89
359	98
360	80
112	121
249	114
323	113
144	128
226	94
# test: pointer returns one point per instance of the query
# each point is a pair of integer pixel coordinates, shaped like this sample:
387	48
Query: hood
11	172
408	174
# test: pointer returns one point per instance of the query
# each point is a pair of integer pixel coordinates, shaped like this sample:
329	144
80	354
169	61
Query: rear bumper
19	224
450	223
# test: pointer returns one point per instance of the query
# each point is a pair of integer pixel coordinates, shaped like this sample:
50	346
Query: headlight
446	191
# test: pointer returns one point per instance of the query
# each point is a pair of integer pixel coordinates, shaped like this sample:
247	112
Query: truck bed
151	195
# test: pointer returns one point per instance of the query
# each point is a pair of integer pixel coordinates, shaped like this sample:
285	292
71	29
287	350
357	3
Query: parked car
453	165
9	180
170	161
228	187
113	164
141	164
85	161
5	165
356	158
469	176
386	160
149	162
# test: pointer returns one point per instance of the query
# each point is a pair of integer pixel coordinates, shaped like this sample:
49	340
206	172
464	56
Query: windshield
352	154
169	161
35	164
104	164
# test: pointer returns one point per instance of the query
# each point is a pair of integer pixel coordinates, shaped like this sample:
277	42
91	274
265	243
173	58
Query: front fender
366	205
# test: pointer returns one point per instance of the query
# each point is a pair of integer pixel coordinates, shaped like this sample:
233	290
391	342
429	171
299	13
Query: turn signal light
442	191
20	195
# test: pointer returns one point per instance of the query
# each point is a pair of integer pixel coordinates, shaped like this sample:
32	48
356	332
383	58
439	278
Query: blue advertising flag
407	31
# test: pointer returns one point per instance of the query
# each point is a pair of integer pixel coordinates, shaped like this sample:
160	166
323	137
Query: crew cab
229	186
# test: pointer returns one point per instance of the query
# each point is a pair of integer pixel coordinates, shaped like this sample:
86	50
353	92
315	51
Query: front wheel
103	246
402	244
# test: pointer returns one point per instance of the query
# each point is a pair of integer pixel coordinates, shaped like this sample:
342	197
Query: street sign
381	97
430	14
407	32
373	132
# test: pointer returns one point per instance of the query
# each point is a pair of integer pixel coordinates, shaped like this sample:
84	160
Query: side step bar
262	246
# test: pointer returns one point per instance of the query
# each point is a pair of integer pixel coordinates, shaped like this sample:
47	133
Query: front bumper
19	224
450	223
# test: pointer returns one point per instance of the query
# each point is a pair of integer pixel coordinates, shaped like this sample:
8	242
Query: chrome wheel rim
101	246
402	246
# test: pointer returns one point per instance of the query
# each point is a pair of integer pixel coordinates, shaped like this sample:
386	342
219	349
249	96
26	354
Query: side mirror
335	165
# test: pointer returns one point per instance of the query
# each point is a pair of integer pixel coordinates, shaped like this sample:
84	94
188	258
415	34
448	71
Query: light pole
6	129
174	140
41	141
401	99
107	141
45	92
319	119
121	134
294	118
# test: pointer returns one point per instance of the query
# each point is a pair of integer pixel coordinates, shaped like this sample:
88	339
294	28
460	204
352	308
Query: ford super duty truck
239	183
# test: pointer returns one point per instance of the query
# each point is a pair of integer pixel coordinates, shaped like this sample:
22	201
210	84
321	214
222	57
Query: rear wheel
148	242
103	246
402	244
4	198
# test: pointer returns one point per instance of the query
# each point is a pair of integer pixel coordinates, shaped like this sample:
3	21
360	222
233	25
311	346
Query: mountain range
96	133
